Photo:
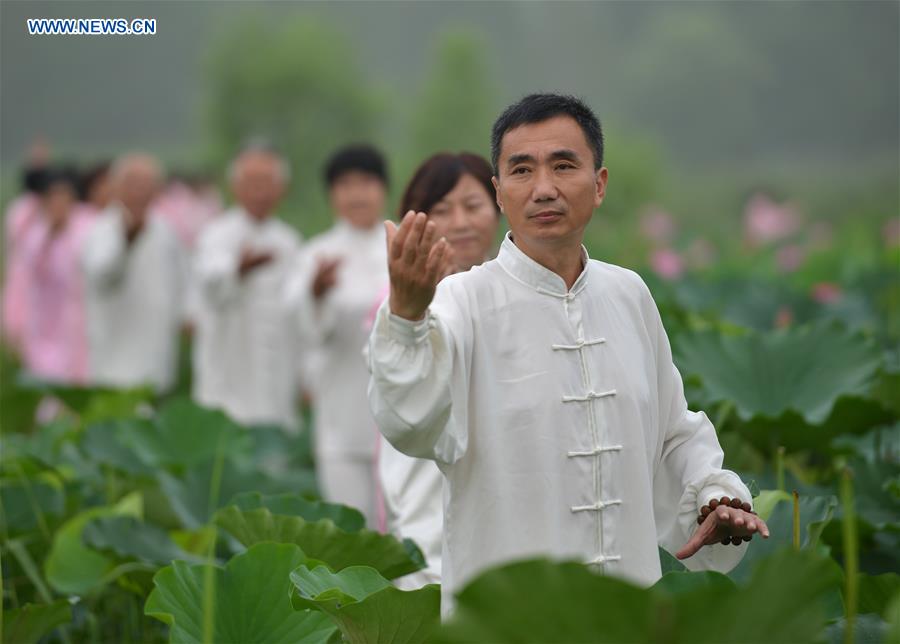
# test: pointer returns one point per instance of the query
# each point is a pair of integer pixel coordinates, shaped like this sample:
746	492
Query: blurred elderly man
244	357
134	281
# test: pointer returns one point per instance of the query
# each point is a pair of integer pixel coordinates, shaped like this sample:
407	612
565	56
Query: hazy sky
669	68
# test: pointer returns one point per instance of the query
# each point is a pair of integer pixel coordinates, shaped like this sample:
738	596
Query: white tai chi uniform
412	491
335	328
134	300
557	418
245	348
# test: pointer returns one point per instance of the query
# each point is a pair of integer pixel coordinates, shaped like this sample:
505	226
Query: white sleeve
314	318
104	257
689	470
216	265
417	390
180	278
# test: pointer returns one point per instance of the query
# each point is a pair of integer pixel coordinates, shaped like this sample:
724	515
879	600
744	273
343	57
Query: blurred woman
336	275
21	213
54	338
456	193
95	188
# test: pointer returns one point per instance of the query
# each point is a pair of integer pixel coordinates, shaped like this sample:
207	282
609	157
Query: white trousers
349	480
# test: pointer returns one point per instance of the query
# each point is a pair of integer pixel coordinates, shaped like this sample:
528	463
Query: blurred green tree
456	106
294	82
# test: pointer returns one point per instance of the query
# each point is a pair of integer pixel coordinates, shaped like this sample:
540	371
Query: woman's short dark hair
56	175
536	108
439	174
90	177
359	158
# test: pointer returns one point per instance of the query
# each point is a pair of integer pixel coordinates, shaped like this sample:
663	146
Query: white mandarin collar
252	222
542	279
366	235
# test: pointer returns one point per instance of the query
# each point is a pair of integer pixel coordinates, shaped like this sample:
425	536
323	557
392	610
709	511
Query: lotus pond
131	518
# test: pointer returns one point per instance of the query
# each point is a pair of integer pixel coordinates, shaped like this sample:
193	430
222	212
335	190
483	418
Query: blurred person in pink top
21	212
54	340
188	203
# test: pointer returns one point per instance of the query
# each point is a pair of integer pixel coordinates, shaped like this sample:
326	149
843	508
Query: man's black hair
536	108
361	158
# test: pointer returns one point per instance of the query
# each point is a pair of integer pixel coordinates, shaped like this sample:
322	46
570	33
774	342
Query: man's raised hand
417	261
724	523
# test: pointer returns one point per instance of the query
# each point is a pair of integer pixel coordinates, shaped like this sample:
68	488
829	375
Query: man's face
358	198
137	187
547	185
258	185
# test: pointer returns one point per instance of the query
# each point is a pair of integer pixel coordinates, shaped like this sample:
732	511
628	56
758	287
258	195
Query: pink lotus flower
784	318
657	225
826	293
666	263
789	258
766	221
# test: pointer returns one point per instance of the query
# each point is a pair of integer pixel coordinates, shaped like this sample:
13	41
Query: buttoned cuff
408	331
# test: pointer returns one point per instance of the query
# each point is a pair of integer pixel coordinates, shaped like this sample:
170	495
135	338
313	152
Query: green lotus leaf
91	404
105	444
366	607
324	541
539	601
802	370
668	562
543	601
673	583
892	615
887	387
30	623
74	397
344	517
250	600
126	537
877	501
873	447
851	415
867	629
789	598
764	502
17	408
71	567
184	434
28	503
815	513
193	499
876	592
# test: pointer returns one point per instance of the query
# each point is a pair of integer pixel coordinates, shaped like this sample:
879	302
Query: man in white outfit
542	382
338	275
134	283
245	348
